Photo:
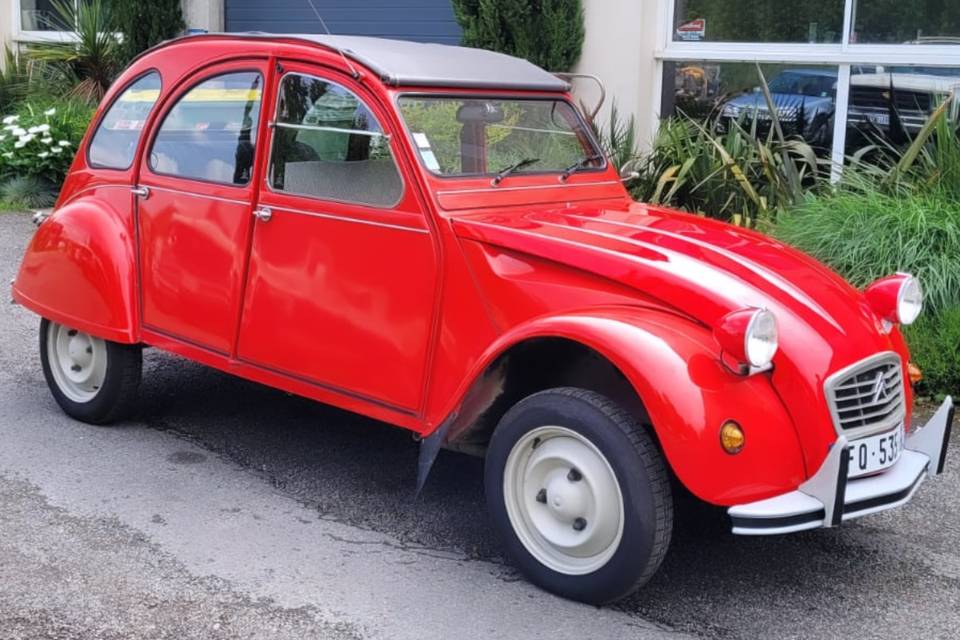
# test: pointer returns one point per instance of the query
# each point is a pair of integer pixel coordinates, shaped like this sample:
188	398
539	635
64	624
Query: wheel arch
660	365
80	270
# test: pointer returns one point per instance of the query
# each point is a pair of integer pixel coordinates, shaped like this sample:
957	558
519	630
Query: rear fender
79	270
673	365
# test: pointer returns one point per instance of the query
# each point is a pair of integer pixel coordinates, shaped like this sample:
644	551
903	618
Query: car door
196	192
342	274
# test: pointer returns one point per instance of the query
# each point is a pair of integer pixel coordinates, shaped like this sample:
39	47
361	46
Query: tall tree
144	24
548	33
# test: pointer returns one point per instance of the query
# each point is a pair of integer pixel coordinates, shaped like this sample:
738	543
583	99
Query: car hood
705	269
782	100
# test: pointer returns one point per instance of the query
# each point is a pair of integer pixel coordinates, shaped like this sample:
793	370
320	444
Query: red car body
405	313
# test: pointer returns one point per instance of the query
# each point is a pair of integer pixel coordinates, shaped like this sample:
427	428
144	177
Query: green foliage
27	192
865	235
40	138
935	348
548	33
90	64
733	173
144	24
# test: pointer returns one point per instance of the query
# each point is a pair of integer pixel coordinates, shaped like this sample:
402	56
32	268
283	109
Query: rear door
196	191
343	269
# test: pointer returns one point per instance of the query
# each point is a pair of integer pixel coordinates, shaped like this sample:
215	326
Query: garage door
420	20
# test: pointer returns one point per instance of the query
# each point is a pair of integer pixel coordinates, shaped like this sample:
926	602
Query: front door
196	196
343	271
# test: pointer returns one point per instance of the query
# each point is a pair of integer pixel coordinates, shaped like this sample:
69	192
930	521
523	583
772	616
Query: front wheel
93	380
580	494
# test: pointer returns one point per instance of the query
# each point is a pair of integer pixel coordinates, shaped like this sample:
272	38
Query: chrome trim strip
534	187
328	216
895	418
200	195
310	127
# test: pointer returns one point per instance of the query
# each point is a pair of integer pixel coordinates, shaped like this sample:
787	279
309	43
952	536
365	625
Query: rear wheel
580	494
93	380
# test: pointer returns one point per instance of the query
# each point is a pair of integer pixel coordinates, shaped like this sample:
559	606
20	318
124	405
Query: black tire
116	396
640	473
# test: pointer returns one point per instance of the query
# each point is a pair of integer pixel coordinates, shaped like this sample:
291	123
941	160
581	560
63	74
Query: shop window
725	94
931	22
810	21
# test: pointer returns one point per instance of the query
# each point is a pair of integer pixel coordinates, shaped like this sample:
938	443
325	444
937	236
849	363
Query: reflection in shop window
720	94
906	22
810	21
891	104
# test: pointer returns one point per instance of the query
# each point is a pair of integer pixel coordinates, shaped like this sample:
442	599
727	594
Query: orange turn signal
731	437
915	374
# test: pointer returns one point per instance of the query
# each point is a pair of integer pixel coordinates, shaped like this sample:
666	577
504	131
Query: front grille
868	396
904	100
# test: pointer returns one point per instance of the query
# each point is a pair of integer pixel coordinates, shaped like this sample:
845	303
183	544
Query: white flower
8	154
44	154
10	119
40	128
27	138
50	111
64	143
17	131
19	145
47	140
2	138
10	127
56	150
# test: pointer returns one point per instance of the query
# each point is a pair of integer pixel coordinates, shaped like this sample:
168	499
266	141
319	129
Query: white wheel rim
78	362
563	500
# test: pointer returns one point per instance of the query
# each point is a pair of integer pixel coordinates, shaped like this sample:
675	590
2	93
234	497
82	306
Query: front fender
672	364
79	270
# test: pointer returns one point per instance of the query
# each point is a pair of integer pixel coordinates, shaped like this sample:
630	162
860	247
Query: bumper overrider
828	497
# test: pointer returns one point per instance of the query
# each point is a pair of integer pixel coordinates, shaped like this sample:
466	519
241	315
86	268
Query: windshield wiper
503	173
578	165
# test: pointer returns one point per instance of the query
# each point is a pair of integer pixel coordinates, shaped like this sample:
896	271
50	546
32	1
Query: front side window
477	136
210	134
115	142
327	144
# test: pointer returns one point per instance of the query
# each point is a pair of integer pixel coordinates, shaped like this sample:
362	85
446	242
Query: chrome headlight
748	337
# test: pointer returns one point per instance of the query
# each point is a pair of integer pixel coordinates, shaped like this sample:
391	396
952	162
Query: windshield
458	136
802	84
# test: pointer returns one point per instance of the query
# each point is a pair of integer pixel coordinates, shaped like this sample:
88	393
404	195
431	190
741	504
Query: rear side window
328	145
210	134
115	142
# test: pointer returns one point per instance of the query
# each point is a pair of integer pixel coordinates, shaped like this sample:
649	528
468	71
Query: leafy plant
39	140
90	63
548	33
28	192
144	24
935	347
868	234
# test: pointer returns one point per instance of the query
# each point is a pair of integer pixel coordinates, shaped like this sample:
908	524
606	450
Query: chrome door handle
263	214
141	192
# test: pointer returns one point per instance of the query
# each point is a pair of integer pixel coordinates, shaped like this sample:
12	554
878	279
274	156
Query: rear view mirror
474	112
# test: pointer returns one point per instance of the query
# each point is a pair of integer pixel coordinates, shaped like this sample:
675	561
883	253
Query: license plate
881	119
875	453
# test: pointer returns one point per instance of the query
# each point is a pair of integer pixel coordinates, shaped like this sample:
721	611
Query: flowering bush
39	140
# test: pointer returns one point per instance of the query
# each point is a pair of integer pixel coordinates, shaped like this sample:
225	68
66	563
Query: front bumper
828	497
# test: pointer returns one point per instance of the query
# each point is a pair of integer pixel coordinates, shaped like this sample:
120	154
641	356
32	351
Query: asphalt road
225	509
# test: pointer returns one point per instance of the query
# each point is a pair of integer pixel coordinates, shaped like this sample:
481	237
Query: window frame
843	55
496	96
34	35
171	102
98	122
273	124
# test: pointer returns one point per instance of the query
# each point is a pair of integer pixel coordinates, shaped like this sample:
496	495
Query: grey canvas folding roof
403	63
399	62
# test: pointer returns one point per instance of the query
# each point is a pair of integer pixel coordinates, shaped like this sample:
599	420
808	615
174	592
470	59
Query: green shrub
865	235
548	33
144	24
935	348
27	192
88	63
41	137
